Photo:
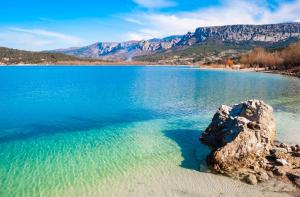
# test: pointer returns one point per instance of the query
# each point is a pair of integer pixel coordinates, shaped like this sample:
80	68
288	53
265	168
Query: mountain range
216	42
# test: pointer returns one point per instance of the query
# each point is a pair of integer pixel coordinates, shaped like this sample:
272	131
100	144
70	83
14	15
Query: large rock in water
240	137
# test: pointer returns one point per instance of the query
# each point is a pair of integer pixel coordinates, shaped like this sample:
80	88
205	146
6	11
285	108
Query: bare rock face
242	140
230	33
240	134
262	33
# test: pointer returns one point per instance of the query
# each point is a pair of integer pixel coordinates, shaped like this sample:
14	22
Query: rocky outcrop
229	33
260	33
239	136
242	140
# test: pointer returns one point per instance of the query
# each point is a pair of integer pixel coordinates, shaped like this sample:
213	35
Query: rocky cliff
231	33
260	33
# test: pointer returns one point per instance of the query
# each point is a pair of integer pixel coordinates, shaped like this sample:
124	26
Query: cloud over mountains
159	24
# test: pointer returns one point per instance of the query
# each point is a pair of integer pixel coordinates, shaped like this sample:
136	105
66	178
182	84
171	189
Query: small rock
296	154
269	167
283	145
279	171
293	148
254	167
262	176
278	149
295	178
250	179
279	153
281	162
276	143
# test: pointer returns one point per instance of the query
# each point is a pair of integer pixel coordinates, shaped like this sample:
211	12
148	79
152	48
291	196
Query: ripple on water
80	160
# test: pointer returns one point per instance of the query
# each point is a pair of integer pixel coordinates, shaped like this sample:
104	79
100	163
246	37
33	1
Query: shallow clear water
74	129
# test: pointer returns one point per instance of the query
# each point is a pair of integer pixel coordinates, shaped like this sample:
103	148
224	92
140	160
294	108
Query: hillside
212	52
204	42
13	56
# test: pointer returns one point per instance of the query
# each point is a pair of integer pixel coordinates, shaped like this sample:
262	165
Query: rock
228	33
246	33
279	171
262	176
250	179
278	153
285	146
295	178
281	162
242	140
254	167
269	167
296	154
293	148
240	136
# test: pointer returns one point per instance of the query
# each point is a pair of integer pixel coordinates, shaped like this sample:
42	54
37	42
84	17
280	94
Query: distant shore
141	63
85	63
223	67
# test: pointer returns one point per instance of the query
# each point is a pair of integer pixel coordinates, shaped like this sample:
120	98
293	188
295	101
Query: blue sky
43	25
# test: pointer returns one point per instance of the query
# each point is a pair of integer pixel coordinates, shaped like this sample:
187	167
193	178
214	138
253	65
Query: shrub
229	62
287	58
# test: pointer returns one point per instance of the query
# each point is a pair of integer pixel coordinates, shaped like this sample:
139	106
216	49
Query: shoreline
92	65
178	181
145	64
259	70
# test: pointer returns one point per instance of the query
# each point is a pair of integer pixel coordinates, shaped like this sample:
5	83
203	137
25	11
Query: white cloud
155	3
40	32
229	12
8	38
36	39
133	20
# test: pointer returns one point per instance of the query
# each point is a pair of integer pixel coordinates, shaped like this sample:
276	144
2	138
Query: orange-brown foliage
291	55
286	58
229	62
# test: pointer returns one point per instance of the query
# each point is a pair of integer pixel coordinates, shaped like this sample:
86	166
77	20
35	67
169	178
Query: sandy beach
190	183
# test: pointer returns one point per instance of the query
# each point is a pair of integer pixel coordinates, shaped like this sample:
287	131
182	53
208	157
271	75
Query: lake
76	131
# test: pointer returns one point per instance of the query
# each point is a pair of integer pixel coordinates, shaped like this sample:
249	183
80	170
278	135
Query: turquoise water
74	129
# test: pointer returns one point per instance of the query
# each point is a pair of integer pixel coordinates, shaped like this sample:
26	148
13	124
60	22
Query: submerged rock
242	140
